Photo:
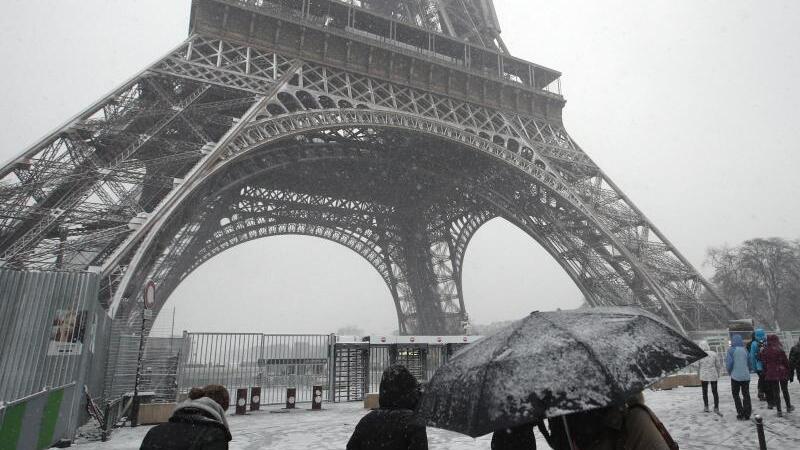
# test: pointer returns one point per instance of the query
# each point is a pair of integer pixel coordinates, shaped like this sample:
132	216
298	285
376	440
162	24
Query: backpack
659	426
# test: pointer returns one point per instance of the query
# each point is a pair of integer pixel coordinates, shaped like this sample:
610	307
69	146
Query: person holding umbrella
585	363
632	426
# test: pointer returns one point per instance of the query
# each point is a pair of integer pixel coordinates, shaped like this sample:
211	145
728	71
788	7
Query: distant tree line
760	279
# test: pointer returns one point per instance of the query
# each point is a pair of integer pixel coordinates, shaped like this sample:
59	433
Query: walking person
776	373
756	345
632	426
708	370
520	437
197	424
737	362
395	425
794	362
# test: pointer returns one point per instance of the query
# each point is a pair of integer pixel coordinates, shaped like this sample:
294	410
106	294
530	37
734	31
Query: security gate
351	373
359	366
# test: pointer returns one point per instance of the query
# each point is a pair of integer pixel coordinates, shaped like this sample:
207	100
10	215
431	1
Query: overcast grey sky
689	106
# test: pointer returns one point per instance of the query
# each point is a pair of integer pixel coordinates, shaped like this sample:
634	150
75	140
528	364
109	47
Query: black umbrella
553	363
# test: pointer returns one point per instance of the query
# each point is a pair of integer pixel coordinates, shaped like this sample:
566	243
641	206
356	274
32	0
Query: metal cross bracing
237	135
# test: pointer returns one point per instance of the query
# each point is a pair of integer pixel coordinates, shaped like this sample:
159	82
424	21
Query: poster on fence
67	332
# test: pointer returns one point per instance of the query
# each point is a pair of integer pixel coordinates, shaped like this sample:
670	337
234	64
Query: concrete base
674	381
371	401
155	413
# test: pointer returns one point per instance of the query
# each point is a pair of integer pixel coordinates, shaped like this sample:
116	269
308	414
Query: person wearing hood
197	424
395	425
794	362
737	361
520	437
708	370
776	373
756	345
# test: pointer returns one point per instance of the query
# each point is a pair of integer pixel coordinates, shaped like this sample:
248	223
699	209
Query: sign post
148	301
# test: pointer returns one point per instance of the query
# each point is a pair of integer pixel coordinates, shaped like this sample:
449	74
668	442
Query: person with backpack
756	345
737	361
776	373
197	424
708	371
632	426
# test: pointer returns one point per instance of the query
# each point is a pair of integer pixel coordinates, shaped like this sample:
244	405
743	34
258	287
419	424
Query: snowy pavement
680	410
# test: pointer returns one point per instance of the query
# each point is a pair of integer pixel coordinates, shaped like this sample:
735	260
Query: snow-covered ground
680	410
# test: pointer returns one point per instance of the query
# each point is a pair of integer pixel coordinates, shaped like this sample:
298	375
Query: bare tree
760	278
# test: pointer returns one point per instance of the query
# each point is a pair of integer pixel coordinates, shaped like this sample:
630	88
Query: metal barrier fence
347	369
39	420
271	362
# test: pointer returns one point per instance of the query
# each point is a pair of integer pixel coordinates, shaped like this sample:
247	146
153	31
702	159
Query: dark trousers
742	387
774	389
713	391
763	393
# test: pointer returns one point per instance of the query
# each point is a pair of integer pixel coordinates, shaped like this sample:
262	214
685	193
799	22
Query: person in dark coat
197	424
794	362
776	373
395	425
517	438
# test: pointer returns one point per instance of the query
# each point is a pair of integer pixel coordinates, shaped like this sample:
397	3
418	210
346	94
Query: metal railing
271	362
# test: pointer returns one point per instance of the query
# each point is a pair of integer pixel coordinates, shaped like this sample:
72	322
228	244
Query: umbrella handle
569	434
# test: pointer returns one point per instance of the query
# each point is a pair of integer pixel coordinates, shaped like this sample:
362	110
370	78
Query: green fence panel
50	419
11	427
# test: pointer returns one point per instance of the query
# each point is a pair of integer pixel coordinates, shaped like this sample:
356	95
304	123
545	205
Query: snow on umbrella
553	363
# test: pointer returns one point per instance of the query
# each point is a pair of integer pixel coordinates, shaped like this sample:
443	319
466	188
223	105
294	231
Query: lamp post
149	300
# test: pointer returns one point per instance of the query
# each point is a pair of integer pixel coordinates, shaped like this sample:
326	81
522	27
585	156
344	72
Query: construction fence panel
49	323
40	420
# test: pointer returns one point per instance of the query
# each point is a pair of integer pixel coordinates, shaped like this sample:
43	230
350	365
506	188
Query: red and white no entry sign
150	294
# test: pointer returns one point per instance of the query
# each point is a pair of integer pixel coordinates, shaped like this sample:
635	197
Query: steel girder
100	190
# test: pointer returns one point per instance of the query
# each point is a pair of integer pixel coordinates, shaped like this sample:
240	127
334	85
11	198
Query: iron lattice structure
394	128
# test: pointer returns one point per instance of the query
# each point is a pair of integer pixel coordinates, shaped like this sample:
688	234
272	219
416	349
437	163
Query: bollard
316	399
255	399
762	441
291	397
241	402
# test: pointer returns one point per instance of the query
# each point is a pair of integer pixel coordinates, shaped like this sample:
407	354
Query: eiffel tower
395	128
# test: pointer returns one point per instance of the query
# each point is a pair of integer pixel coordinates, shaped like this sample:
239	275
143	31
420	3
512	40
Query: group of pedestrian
396	425
765	357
